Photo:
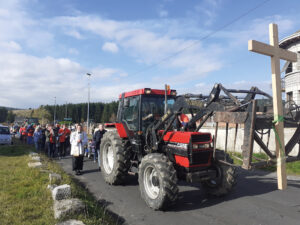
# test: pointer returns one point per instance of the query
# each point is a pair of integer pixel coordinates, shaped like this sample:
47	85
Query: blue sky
47	47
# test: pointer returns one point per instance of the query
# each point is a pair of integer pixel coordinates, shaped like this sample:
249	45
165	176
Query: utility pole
88	108
54	110
66	110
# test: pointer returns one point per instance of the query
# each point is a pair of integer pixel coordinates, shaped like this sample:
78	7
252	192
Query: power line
203	38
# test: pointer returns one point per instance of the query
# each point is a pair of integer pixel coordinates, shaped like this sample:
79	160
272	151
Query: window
131	113
289	69
4	130
153	109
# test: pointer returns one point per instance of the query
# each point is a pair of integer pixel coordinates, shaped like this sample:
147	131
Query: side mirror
126	102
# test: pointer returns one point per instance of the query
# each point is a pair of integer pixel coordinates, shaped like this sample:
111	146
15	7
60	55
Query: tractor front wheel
113	159
158	181
225	179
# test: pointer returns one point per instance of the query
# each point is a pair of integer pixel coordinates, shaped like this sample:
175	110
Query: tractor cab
139	108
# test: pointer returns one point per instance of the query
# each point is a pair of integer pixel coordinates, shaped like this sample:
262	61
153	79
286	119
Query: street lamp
54	110
88	108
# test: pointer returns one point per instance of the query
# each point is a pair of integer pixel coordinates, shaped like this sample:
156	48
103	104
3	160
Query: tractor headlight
204	146
199	146
147	90
195	146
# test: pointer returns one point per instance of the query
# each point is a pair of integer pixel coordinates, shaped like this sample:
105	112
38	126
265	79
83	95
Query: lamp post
66	110
88	108
54	118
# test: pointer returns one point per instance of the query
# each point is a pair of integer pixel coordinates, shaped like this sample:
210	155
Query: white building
292	70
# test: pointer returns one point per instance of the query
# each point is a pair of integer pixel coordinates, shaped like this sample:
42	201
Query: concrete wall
240	138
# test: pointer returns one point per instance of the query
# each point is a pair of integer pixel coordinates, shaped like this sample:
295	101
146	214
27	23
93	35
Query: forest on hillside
99	112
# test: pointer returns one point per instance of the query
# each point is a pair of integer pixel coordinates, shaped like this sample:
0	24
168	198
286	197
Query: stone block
33	154
67	207
61	192
55	178
35	164
45	171
51	186
36	158
71	222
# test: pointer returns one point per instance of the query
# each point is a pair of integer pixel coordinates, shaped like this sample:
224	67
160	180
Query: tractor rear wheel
225	179
158	181
113	158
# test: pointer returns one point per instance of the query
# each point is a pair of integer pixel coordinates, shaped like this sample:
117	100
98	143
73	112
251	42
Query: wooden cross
276	54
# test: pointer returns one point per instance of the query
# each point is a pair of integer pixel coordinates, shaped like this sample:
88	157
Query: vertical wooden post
215	139
226	140
249	128
235	135
278	109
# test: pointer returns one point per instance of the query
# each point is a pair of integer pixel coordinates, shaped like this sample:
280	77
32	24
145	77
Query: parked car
5	136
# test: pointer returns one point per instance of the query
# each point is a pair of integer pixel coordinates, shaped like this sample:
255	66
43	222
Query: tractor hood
186	136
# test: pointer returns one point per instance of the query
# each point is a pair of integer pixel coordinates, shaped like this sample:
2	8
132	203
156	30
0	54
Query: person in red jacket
23	134
63	134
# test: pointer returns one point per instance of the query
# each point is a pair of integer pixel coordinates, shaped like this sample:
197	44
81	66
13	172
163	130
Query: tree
3	114
105	114
42	114
10	117
99	112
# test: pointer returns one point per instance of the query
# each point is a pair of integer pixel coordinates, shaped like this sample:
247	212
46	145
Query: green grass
292	168
24	198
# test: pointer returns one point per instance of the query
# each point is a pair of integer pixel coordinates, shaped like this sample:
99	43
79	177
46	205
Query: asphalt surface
255	200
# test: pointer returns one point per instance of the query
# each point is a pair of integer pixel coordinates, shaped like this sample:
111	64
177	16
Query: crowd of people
53	140
59	141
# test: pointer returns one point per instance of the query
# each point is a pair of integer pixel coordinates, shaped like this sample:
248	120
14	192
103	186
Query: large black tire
158	181
226	176
114	159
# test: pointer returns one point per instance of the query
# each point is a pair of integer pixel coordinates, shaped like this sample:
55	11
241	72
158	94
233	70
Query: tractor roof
147	91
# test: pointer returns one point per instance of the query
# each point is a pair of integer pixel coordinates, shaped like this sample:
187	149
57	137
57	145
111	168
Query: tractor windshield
153	109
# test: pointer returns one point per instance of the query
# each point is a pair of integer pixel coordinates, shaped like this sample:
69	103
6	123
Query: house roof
285	42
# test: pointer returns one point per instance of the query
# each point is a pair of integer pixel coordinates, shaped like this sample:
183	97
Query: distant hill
9	108
23	112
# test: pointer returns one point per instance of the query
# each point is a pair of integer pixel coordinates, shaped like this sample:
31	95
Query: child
92	149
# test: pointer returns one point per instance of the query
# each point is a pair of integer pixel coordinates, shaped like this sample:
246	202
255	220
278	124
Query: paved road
254	201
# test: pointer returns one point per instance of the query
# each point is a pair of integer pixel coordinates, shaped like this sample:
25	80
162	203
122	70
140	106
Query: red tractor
152	140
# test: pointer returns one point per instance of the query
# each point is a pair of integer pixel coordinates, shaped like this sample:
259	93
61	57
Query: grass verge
24	198
292	168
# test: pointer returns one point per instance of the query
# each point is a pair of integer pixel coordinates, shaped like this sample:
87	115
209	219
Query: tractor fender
119	127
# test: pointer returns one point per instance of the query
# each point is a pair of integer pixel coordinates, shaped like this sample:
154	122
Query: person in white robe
78	140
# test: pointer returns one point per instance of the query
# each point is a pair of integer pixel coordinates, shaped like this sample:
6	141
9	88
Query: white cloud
208	9
73	51
104	73
74	33
163	13
146	46
10	46
28	80
110	47
258	29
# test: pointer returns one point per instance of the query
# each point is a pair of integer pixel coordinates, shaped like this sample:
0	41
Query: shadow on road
90	171
249	184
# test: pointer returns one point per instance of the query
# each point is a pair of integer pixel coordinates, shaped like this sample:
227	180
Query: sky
48	46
